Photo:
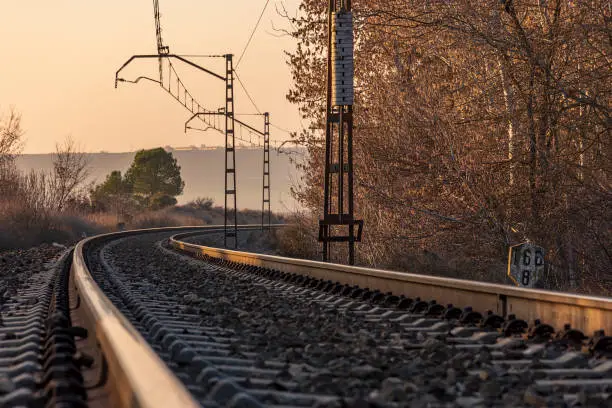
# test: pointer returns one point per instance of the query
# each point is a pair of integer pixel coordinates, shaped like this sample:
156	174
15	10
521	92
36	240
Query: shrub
163	218
201	203
160	201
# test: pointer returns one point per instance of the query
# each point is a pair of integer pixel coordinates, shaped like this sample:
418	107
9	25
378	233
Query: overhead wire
207	117
256	107
242	85
259	113
185	98
195	107
281	129
247	92
253	32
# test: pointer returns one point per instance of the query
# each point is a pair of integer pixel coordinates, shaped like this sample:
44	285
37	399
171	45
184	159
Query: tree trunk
510	112
533	166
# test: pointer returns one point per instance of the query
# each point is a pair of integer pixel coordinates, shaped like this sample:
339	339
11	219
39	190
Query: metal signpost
338	223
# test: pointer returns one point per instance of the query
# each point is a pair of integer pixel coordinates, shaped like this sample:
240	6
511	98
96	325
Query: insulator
342	58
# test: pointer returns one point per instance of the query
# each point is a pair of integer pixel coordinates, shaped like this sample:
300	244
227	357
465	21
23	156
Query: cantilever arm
201	130
193	64
197	114
189	120
178	57
137	80
251	128
280	146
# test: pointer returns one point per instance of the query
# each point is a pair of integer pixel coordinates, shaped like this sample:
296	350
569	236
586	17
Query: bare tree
11	134
70	171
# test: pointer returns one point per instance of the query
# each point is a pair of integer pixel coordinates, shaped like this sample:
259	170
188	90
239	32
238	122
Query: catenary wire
252	33
247	92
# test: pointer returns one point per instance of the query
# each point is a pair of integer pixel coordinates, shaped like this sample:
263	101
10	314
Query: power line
281	129
252	33
247	92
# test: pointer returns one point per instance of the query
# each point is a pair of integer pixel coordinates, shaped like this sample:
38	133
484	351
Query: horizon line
167	148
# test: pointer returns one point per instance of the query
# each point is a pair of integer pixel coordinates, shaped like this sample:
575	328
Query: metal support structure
266	212
338	223
177	89
161	48
167	56
265	204
231	211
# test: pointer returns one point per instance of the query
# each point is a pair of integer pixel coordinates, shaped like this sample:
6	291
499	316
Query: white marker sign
342	57
526	264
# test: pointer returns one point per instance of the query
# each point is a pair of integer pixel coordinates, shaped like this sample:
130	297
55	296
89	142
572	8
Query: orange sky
59	60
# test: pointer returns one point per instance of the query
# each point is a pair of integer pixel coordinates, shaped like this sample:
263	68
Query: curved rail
585	313
131	371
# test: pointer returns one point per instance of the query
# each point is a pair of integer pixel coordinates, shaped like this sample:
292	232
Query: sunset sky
59	60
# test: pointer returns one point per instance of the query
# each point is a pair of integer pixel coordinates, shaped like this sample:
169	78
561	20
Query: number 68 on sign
526	264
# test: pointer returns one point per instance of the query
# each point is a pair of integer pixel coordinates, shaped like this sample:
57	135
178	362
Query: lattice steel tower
176	88
338	223
231	210
265	203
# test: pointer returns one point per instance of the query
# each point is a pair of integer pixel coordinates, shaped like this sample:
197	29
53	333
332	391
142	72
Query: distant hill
202	171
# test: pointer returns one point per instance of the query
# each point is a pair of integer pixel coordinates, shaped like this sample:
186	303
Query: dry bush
38	207
162	218
201	203
107	221
11	136
22	226
204	209
298	239
70	170
28	214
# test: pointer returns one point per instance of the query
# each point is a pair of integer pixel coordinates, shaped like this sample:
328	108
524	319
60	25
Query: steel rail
134	374
585	313
130	370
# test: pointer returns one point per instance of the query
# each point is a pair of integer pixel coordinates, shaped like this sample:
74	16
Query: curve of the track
240	339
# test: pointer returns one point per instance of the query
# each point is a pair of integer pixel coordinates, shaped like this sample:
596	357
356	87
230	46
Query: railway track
148	319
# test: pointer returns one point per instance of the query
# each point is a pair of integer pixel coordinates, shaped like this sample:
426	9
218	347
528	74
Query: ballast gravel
331	351
17	266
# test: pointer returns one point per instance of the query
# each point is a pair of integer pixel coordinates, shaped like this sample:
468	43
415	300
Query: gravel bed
39	365
351	353
18	266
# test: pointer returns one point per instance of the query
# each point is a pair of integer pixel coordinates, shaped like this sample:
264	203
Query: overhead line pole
338	206
266	211
231	209
187	100
266	175
231	213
